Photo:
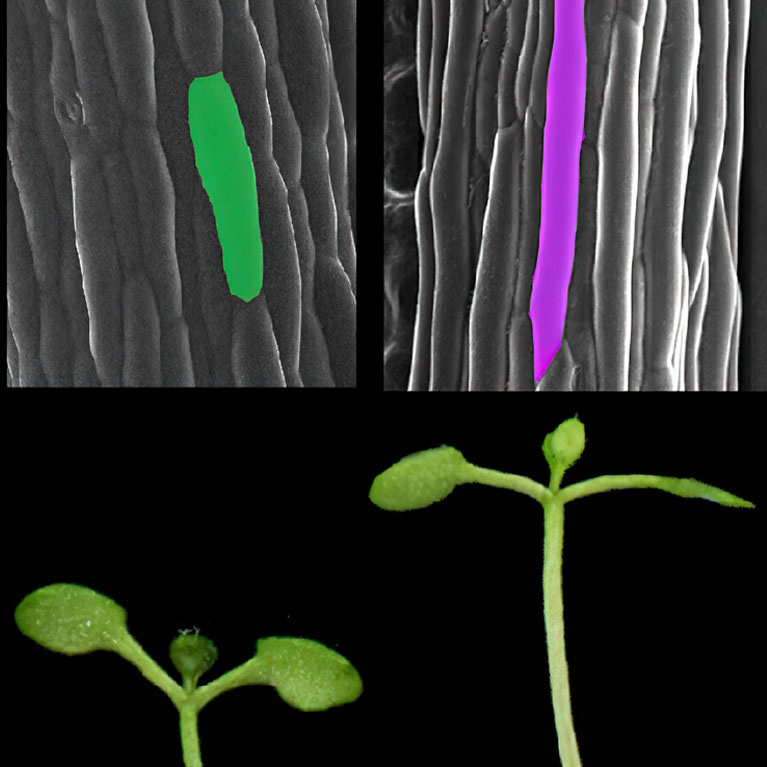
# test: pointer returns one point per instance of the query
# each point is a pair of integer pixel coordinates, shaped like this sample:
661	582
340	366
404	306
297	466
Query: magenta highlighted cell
562	139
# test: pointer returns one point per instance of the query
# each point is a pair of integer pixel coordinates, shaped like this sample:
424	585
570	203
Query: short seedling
73	619
423	478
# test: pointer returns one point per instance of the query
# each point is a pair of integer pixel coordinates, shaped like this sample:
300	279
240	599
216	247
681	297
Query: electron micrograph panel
653	294
115	271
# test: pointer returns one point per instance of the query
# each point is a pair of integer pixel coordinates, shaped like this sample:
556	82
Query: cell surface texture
117	271
480	180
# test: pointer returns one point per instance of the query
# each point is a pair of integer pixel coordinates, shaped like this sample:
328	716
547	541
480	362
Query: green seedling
73	620
424	478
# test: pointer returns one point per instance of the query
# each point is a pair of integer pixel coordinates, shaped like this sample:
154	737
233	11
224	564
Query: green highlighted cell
226	168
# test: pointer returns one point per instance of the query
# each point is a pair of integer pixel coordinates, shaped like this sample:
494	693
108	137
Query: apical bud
563	446
192	655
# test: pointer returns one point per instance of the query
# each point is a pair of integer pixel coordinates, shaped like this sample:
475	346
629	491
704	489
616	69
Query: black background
248	516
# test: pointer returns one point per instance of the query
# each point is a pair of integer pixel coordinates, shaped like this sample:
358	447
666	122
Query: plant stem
524	485
190	741
553	612
133	652
557	472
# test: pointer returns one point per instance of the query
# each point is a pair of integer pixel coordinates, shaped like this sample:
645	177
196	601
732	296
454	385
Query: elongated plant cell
423	478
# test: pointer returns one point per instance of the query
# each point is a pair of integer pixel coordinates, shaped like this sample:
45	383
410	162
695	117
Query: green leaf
305	673
692	488
419	480
71	619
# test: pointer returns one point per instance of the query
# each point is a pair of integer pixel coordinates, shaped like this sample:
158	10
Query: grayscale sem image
121	258
663	291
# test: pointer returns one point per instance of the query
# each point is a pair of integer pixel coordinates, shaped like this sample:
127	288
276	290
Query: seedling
423	478
73	620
